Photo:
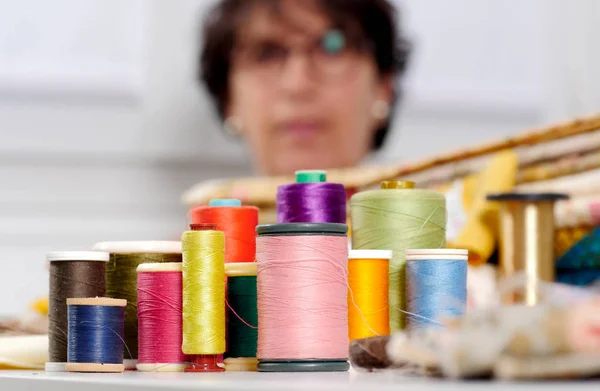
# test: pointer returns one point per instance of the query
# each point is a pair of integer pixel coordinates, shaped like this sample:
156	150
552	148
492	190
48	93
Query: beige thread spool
526	240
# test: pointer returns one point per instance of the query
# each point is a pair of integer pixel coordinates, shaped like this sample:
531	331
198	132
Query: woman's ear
232	123
383	104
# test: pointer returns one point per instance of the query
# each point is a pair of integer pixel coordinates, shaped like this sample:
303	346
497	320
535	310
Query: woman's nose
296	75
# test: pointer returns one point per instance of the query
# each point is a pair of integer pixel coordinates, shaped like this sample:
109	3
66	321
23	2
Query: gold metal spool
527	241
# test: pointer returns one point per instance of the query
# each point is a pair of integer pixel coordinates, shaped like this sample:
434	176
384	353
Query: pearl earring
380	109
233	126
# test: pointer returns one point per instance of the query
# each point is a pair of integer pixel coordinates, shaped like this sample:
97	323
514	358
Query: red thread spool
204	362
237	222
159	318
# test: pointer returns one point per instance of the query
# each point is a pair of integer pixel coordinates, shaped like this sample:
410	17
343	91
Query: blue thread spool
436	285
96	332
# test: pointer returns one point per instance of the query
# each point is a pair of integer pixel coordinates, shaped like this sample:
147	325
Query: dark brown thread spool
73	274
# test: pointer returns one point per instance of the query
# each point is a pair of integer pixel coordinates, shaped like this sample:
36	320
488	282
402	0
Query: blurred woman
306	84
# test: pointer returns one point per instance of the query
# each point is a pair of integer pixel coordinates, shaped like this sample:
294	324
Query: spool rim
241	364
527	197
299	229
160	267
94	367
241	269
158	367
55	367
397	185
439	257
84	256
97	301
140	247
311	176
370	254
225	202
437	251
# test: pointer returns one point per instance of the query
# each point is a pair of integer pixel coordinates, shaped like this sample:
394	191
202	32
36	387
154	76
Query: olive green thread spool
121	279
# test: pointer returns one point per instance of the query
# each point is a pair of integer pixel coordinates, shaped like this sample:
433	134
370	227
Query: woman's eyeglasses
330	57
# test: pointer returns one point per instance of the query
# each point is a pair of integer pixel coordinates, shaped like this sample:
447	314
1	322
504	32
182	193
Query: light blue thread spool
436	286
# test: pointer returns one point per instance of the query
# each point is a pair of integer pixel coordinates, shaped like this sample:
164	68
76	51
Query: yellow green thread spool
203	298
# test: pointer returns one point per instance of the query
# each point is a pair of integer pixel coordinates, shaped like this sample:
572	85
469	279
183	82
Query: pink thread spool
302	297
160	305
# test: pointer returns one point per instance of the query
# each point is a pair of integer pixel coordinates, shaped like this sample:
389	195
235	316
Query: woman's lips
302	130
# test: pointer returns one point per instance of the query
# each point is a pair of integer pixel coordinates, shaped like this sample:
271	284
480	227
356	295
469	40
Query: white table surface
39	380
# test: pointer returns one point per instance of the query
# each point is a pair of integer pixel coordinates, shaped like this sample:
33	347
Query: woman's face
300	103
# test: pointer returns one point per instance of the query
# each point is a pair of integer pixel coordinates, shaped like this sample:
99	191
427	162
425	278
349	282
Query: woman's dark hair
374	20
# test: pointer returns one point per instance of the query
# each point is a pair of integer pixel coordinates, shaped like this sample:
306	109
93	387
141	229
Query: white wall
102	126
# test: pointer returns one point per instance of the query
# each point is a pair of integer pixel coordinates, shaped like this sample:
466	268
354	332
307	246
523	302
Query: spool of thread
236	221
302	297
72	274
368	306
121	279
527	240
96	329
398	217
160	318
311	200
242	317
203	298
436	285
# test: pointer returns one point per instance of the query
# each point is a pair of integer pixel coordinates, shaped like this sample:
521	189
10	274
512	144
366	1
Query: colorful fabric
584	255
536	162
583	277
566	238
568	165
577	212
581	184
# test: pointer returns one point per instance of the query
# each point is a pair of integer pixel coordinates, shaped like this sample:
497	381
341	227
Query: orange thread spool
368	304
237	222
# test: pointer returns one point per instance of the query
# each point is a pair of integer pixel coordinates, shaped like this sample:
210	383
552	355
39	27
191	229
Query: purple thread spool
311	203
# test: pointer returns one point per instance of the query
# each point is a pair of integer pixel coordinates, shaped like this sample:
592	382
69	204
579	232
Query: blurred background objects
103	124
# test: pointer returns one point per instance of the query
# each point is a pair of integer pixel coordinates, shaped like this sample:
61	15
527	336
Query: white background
102	125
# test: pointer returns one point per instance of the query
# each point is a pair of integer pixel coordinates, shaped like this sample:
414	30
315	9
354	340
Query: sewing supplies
203	297
121	279
526	240
302	297
436	285
242	317
398	217
368	280
236	221
311	200
96	331
73	274
159	292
